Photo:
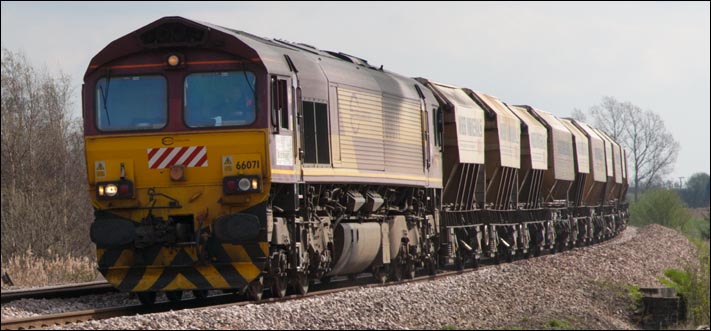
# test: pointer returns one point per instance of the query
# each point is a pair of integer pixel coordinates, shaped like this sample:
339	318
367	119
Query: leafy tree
696	193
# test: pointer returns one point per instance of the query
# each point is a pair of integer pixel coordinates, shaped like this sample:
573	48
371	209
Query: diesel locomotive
217	159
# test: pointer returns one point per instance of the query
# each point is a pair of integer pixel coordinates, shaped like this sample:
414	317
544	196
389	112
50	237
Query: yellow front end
177	217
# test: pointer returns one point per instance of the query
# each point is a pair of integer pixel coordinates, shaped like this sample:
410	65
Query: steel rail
62	291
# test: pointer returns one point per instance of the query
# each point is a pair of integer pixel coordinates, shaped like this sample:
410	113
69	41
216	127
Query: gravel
575	286
32	307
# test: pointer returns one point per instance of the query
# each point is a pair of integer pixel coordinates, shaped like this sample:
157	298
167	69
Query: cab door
286	163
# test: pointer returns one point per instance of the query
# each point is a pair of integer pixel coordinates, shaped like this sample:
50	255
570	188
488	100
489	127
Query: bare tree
651	149
578	115
611	116
45	206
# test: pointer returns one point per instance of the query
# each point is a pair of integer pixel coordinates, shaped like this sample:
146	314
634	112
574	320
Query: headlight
244	184
111	190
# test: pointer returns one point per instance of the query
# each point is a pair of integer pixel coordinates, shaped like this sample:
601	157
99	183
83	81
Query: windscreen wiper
105	96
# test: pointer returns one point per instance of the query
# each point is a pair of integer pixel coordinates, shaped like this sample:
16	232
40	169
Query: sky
554	56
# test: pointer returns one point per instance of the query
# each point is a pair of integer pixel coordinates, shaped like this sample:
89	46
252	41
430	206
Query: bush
692	284
659	206
696	228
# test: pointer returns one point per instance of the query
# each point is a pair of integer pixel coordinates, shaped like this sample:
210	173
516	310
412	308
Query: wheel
431	267
410	270
174	296
200	294
380	274
147	298
396	271
255	289
458	263
561	246
509	255
301	283
279	285
475	262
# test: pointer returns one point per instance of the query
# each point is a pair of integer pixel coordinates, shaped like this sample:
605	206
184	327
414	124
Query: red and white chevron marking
189	156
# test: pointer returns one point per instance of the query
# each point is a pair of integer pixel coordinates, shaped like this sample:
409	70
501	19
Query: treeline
45	203
696	191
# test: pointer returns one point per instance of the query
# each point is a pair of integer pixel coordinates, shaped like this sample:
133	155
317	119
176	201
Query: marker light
173	60
231	185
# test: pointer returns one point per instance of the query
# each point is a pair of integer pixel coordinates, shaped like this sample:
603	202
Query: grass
28	270
558	325
692	284
635	297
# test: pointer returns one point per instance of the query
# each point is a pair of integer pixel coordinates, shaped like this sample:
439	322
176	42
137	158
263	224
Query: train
220	160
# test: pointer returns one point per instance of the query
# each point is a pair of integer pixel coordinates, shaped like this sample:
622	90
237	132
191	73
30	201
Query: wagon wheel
255	290
396	271
458	262
475	261
174	296
525	253
279	285
380	274
431	266
497	257
410	270
147	298
301	283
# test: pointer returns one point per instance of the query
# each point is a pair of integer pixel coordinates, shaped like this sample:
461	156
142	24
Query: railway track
212	302
53	292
